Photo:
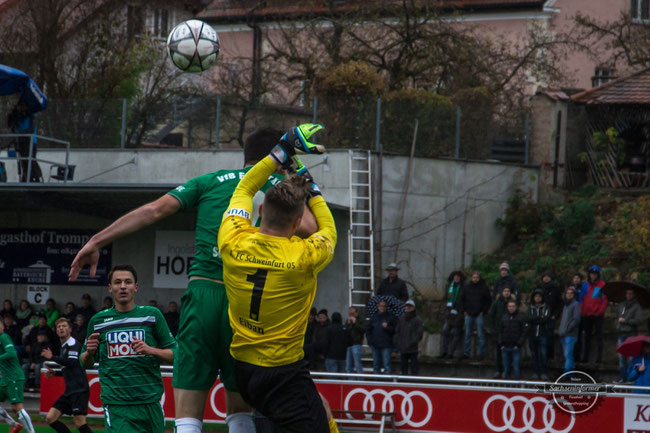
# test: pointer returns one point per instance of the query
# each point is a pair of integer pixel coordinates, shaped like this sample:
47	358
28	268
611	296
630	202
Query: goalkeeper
270	277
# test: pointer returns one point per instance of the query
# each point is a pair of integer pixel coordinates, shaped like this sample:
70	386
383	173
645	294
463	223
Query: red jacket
593	301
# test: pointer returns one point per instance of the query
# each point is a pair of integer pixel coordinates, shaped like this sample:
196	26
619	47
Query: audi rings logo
376	400
534	415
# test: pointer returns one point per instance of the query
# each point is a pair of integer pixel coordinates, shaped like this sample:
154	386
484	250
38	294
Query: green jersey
9	365
124	376
211	194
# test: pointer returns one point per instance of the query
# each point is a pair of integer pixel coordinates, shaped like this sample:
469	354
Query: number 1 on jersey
258	279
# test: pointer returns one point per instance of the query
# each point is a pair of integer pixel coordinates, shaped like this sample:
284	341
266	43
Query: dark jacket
507	281
79	333
494	315
396	288
377	335
631	311
552	297
309	332
357	331
172	320
475	298
538	315
570	322
320	338
31	338
35	355
409	332
14	332
514	328
337	340
74	374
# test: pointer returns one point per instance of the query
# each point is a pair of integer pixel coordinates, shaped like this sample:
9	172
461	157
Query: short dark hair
511	301
336	317
285	202
259	143
128	268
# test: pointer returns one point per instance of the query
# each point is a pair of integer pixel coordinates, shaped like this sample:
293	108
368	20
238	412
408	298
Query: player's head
284	204
259	143
63	328
123	285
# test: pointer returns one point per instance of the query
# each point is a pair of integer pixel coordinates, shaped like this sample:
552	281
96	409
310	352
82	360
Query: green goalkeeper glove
296	140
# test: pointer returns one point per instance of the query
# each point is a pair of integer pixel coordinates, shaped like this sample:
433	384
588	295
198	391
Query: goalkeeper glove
295	140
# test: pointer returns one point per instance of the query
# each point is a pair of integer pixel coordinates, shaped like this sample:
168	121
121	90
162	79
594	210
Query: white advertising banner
173	256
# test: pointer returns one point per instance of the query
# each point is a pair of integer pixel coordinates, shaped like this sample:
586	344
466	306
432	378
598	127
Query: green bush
572	221
522	218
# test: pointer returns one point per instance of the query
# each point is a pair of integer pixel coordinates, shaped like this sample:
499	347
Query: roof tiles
630	90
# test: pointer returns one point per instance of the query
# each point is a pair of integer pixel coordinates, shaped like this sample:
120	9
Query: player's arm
142	348
133	221
69	361
322	242
308	224
10	350
89	352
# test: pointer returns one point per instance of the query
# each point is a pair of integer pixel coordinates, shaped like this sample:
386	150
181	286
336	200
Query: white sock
187	425
240	422
26	421
7	418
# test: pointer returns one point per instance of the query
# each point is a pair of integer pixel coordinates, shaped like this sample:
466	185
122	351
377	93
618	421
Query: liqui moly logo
119	342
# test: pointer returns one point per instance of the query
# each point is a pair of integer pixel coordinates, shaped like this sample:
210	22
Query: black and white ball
193	46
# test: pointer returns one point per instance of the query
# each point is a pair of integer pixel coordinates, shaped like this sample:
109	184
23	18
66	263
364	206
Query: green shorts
204	338
12	390
134	418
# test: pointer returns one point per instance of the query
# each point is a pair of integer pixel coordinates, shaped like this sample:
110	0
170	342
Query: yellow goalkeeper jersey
270	280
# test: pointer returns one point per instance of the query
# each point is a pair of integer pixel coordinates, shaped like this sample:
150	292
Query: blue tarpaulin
15	81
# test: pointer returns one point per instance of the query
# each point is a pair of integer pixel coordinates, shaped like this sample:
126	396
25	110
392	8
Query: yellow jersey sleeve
238	215
321	244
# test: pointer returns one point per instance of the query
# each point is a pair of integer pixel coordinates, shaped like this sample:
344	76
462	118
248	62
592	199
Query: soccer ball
193	46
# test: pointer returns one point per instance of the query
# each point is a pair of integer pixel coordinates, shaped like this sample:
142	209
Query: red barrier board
432	407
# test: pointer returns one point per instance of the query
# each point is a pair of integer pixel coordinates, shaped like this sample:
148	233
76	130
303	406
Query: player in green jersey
204	335
129	341
12	383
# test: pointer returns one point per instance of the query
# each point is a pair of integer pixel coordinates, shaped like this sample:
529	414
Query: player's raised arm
133	221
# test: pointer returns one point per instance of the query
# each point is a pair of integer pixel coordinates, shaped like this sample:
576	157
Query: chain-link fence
444	130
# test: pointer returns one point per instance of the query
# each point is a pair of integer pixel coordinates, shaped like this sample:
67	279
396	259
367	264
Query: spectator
35	360
408	333
569	327
540	314
107	304
24	313
494	316
70	311
172	317
13	331
357	329
337	340
592	309
475	303
7	308
320	339
514	328
154	303
576	281
393	285
79	328
636	370
308	345
552	294
86	309
41	325
454	320
506	280
51	313
381	329
628	318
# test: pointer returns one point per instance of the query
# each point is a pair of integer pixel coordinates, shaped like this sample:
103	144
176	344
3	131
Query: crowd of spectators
32	330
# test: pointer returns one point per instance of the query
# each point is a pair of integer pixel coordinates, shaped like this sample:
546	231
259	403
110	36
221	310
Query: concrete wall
447	200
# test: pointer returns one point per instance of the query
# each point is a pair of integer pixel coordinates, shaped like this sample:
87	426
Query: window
135	21
640	10
160	23
601	76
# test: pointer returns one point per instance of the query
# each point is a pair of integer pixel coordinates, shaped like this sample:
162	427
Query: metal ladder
360	235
